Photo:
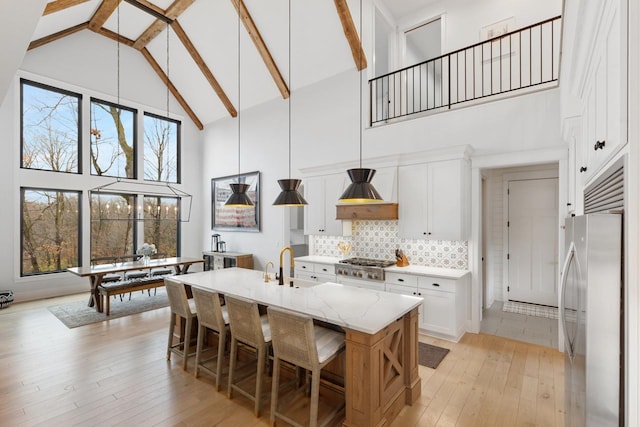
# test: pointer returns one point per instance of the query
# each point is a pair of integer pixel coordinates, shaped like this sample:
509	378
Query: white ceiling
319	48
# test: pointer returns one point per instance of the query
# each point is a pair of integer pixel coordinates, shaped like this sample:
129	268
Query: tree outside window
161	145
50	128
112	224
161	223
50	230
113	130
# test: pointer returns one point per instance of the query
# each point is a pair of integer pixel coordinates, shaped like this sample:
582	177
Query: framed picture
238	219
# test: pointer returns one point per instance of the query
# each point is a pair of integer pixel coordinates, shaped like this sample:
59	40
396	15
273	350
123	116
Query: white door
533	236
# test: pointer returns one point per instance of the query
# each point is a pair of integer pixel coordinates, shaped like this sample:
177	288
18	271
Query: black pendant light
239	197
360	190
289	196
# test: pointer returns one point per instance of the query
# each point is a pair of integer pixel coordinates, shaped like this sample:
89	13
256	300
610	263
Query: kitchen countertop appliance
590	310
362	268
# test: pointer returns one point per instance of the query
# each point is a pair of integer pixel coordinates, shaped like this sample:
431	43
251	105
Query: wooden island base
382	372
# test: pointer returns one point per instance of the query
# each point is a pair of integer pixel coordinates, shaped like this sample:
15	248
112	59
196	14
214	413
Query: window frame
78	193
134	143
80	141
134	220
178	222
178	147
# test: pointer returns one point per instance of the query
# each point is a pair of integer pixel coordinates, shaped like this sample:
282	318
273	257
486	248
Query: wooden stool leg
172	324
274	390
187	343
222	341
232	366
259	375
315	396
201	332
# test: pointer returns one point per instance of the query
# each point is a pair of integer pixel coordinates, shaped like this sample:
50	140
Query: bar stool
298	341
185	308
252	330
211	316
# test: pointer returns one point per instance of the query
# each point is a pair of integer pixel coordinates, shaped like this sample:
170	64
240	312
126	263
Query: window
112	224
50	228
161	223
423	42
50	128
161	148
113	141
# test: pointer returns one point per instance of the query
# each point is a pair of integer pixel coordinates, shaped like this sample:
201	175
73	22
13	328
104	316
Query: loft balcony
515	63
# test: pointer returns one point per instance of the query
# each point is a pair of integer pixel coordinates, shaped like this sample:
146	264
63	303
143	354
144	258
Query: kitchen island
381	374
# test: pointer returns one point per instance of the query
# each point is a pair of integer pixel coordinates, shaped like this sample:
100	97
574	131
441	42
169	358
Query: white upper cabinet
322	194
385	181
432	200
603	104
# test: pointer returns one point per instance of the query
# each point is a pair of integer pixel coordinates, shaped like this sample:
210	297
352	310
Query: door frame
519	158
519	176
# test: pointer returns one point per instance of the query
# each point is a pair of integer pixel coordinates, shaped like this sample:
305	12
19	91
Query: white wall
86	64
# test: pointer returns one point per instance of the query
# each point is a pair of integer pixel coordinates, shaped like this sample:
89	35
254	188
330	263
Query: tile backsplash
379	239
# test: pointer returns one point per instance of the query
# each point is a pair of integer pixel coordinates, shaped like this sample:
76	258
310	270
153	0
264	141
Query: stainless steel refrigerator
591	307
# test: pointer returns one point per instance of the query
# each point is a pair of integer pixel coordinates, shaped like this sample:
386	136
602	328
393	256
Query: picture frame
235	219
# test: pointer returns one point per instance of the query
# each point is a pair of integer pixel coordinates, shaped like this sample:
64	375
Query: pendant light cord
239	74
360	82
168	80
289	89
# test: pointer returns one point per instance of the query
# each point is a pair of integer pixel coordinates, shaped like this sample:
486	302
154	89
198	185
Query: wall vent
607	193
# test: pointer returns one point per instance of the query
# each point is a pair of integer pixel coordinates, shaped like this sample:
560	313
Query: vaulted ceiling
200	39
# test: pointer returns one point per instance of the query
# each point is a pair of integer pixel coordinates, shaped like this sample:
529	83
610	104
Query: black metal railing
521	59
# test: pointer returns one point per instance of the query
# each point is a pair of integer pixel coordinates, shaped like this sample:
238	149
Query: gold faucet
281	276
267	278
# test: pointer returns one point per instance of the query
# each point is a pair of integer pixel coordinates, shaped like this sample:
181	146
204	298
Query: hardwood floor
115	373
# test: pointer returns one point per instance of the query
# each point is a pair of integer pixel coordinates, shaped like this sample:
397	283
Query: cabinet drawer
436	284
401	279
304	266
325	269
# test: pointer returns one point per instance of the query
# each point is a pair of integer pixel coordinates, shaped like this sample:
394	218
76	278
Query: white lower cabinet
444	307
315	272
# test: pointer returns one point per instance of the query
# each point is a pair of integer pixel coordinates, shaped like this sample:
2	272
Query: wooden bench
123	286
137	280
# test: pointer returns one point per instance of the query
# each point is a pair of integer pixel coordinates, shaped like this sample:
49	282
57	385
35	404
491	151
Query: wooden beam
147	55
172	13
182	35
58	5
367	211
115	37
351	34
55	36
103	13
261	46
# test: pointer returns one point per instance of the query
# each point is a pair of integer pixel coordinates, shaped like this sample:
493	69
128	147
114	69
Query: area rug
530	309
78	313
430	355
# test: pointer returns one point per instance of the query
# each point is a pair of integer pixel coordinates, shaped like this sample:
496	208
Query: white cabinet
443	311
361	283
322	194
603	104
432	200
315	272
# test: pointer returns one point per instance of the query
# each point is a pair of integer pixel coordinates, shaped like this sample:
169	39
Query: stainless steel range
362	268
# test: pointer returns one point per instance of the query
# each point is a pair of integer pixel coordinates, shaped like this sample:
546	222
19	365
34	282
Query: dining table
381	335
96	273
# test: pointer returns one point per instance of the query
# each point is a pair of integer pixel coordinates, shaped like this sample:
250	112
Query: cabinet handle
414	293
304	266
583	169
437	285
599	145
400	280
324	269
420	294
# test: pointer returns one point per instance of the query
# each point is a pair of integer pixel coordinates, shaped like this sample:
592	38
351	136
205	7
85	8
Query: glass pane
50	129
112	224
161	219
50	231
160	149
112	140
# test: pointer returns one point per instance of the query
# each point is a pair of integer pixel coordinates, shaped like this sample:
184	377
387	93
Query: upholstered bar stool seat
298	341
183	307
252	330
214	317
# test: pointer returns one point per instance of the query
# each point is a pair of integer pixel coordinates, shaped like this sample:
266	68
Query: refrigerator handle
565	271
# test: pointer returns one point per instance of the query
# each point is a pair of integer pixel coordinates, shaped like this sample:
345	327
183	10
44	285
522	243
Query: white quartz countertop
318	259
445	273
359	309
